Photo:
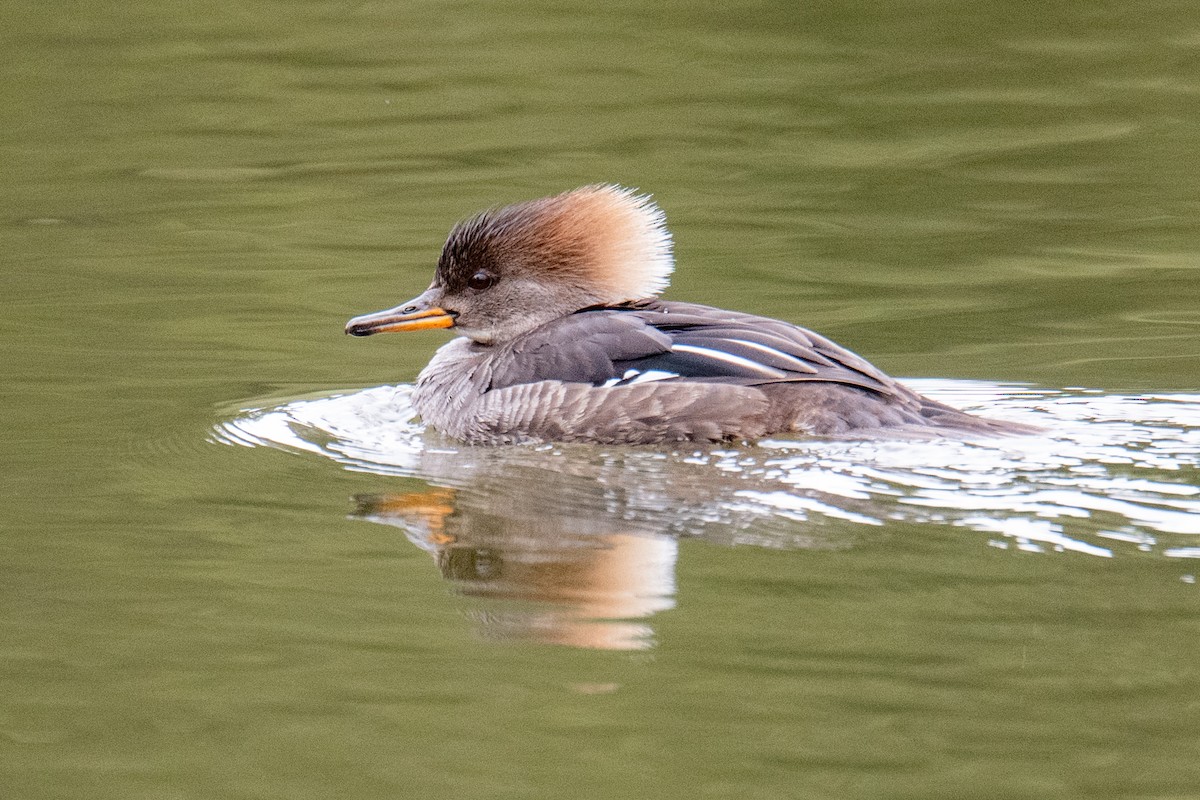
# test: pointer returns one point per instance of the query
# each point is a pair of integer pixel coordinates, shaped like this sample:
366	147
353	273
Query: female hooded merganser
565	339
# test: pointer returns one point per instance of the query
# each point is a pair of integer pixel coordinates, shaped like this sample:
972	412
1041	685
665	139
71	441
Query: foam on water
1112	474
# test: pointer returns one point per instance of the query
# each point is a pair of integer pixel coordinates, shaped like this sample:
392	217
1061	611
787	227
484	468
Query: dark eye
481	280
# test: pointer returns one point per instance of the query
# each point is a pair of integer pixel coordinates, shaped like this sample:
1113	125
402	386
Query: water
998	203
587	535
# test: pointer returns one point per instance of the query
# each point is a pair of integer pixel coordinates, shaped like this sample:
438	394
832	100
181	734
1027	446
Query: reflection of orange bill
431	507
434	502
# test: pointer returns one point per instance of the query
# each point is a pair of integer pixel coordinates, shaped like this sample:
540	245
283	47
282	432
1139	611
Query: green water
197	196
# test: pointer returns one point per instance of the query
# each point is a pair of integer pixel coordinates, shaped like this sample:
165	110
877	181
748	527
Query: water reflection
577	544
574	545
555	579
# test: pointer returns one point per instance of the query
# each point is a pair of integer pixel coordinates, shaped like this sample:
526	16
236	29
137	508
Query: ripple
1114	473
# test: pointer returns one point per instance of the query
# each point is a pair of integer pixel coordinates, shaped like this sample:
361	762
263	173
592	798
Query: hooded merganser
563	338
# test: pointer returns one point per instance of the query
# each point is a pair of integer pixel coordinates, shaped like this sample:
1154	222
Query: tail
948	418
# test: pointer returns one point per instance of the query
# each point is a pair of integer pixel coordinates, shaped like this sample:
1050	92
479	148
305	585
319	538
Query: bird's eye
481	280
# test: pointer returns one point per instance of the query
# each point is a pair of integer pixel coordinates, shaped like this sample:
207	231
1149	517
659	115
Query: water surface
998	204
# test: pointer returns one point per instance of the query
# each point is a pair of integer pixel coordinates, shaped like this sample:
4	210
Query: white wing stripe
729	358
633	376
653	375
802	366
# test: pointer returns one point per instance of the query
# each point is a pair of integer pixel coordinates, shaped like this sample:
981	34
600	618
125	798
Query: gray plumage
563	339
548	384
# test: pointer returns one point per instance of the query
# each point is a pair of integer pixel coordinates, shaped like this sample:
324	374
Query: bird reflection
564	579
576	545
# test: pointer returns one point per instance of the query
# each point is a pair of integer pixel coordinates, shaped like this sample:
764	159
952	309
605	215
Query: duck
563	337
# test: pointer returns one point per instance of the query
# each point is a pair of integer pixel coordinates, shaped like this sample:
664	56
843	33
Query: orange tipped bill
400	318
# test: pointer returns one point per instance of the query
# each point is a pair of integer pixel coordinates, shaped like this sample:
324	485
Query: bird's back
657	371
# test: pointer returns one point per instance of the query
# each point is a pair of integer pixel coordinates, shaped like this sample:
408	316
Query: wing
713	344
654	340
582	348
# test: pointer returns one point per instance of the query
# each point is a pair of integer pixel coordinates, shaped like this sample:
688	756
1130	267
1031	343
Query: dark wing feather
581	348
776	345
697	343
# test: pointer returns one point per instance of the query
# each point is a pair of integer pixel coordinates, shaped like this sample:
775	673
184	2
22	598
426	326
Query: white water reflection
1110	469
584	536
